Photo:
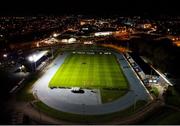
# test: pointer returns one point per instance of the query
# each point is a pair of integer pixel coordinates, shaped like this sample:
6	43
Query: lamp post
134	103
55	35
135	100
83	105
5	55
52	52
37	99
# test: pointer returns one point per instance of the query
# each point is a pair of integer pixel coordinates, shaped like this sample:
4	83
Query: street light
37	99
55	35
37	44
135	100
5	55
22	67
83	106
52	52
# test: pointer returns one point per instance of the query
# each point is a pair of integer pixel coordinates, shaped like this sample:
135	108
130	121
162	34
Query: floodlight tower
52	52
135	100
37	100
53	36
33	60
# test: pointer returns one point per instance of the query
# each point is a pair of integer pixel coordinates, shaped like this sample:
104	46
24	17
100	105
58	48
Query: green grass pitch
89	71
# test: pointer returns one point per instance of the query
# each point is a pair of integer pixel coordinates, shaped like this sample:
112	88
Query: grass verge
87	118
111	95
24	94
163	116
172	97
154	91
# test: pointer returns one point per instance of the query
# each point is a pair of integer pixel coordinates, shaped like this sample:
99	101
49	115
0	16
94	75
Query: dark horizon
90	7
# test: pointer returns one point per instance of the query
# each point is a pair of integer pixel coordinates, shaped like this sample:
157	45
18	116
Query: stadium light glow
36	57
32	58
88	42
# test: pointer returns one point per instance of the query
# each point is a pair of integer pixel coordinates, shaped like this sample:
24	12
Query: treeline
163	54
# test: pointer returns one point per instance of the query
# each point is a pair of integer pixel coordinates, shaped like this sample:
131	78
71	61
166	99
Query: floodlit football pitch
89	71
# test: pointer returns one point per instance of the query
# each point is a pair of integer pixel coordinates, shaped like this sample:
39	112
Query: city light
55	35
22	67
4	55
37	45
103	33
75	63
71	40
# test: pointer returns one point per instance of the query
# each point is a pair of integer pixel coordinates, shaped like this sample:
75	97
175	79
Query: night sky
102	7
